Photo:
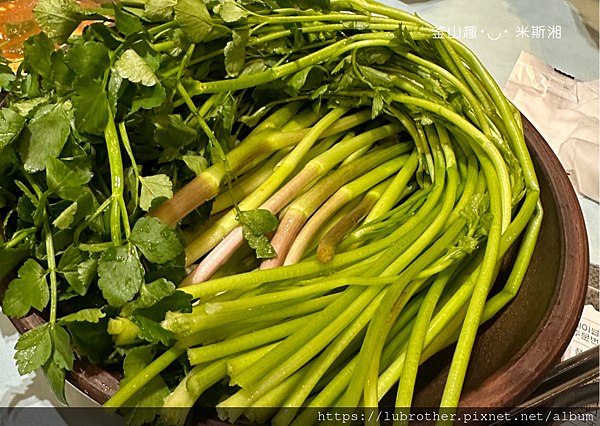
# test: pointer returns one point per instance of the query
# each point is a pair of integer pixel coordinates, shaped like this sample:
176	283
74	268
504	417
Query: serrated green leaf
87	59
66	182
62	355
65	219
36	55
11	124
55	375
159	10
92	339
90	106
375	77
255	223
260	243
157	241
148	97
259	221
154	188
34	348
92	315
235	52
26	107
48	133
172	132
133	67
156	299
231	12
78	269
152	331
63	76
121	274
27	291
193	19
196	163
7	76
126	22
58	18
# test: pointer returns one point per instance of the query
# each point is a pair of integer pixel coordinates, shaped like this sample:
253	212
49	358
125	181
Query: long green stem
116	173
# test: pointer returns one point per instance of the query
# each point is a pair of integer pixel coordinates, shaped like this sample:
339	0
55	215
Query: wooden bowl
515	350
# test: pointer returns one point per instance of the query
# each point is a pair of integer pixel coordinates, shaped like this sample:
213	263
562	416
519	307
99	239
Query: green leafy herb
255	223
159	10
11	124
132	67
235	52
121	274
66	218
48	133
231	12
34	348
157	241
88	58
92	315
154	188
27	291
58	18
172	132
91	106
194	19
66	180
78	269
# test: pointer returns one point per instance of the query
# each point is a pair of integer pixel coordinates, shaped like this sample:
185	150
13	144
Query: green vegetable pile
262	205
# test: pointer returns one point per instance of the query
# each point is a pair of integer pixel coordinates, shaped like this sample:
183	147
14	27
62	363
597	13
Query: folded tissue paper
565	111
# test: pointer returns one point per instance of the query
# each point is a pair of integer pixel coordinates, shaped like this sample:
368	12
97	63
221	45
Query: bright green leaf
27	291
34	348
159	10
235	52
132	67
65	219
193	19
11	124
196	163
153	188
231	12
66	182
92	315
126	22
89	59
58	18
63	355
259	221
91	106
157	241
121	274
49	130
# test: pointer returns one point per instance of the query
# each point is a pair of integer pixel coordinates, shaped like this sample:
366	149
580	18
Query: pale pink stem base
290	226
230	244
307	233
217	257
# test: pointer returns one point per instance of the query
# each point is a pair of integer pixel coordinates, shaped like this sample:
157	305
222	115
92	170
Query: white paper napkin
566	113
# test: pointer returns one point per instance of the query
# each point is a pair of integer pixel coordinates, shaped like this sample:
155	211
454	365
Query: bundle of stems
400	184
